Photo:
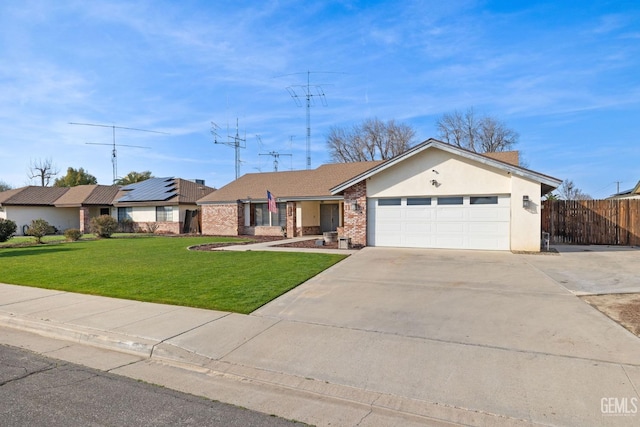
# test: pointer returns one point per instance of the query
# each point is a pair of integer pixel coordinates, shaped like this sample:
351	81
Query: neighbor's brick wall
163	227
222	220
355	222
85	220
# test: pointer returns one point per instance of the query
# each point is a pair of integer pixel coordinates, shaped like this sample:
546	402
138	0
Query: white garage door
457	222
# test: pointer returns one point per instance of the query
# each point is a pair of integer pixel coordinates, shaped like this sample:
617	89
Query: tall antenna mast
114	152
275	156
232	141
307	92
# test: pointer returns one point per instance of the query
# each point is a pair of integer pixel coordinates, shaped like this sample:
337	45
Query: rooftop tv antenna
233	141
275	156
114	152
308	93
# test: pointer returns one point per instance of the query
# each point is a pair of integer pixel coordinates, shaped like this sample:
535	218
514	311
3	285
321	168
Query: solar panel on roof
152	189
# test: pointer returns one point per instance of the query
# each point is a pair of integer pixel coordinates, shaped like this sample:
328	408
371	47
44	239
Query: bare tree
373	139
481	134
4	186
43	170
569	191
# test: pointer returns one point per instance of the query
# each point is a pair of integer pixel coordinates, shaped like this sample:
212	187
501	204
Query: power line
114	153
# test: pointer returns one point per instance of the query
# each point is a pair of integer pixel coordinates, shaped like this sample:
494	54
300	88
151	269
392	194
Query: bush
152	227
40	228
104	225
7	229
72	234
126	225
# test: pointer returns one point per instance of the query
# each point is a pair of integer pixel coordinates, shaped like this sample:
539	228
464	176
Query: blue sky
564	74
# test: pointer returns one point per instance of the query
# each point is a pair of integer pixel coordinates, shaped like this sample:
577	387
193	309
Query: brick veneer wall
85	220
355	222
222	220
292	230
161	227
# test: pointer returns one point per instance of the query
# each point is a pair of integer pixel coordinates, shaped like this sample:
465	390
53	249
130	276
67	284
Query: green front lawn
162	270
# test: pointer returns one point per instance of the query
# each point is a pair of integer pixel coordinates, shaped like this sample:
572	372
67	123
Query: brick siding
355	222
223	220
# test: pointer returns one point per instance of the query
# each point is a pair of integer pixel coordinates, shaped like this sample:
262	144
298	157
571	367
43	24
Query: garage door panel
450	214
466	226
419	214
496	214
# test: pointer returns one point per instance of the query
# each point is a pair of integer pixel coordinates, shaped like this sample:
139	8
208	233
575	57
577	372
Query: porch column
291	219
85	224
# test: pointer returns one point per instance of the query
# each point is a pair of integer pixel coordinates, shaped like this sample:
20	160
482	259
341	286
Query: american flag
272	202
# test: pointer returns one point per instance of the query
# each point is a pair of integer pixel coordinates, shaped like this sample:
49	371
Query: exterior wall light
525	202
354	205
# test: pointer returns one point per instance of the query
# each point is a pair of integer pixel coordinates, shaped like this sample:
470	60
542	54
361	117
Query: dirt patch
250	240
623	308
308	244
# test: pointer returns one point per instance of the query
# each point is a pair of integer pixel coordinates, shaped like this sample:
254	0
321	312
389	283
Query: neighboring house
633	193
435	195
22	205
163	204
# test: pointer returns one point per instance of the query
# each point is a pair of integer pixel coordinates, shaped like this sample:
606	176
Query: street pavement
386	337
42	391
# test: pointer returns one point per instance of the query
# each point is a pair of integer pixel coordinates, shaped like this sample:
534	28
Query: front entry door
329	218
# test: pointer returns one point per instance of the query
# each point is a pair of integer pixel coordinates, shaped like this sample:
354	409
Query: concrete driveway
488	331
592	269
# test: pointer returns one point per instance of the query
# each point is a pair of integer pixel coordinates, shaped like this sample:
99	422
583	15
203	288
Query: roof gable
548	183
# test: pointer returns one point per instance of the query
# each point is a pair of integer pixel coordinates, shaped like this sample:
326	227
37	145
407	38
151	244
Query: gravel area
622	308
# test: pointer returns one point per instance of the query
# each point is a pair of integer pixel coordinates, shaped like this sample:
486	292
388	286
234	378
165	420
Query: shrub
40	228
7	229
104	225
152	227
72	234
126	225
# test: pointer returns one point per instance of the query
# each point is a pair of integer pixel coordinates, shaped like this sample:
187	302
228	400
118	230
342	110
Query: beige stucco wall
525	223
457	175
61	218
308	214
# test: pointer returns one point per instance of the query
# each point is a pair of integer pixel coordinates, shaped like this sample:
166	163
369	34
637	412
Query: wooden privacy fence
592	222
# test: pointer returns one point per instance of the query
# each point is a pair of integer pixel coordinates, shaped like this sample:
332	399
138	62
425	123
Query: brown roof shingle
32	196
511	157
84	195
290	184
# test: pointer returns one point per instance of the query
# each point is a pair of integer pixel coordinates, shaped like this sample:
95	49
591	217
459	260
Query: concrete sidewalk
386	337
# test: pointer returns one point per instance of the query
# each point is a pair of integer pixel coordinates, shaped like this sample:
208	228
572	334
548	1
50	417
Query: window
389	202
487	200
261	215
125	213
105	211
164	213
450	200
418	201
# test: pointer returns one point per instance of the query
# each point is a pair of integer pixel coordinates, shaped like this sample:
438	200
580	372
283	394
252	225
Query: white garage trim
448	222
